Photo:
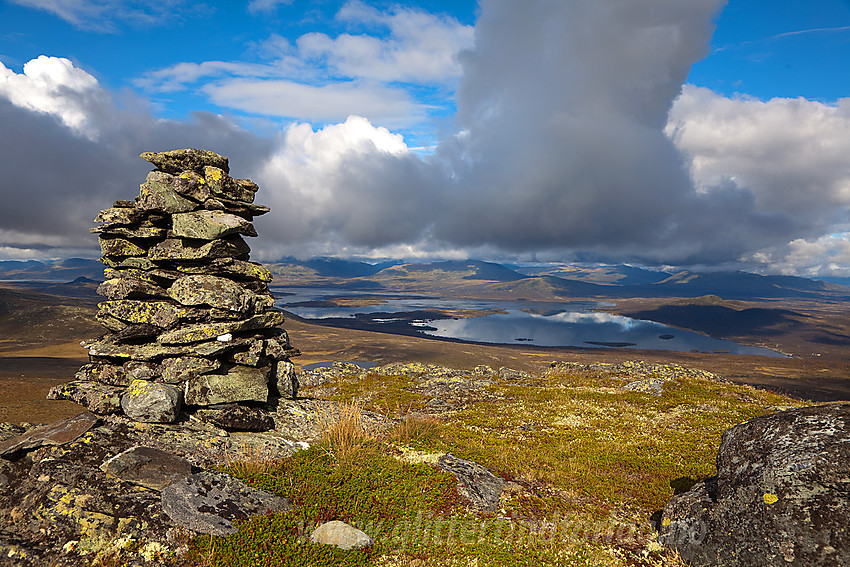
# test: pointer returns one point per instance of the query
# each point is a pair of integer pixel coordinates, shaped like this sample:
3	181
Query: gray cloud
573	140
562	106
55	180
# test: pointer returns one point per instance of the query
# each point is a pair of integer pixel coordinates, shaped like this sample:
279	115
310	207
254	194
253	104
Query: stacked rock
190	320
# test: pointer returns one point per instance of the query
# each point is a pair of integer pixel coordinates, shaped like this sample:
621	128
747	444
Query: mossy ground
587	464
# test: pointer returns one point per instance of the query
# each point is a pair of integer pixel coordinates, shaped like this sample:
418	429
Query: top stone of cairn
178	161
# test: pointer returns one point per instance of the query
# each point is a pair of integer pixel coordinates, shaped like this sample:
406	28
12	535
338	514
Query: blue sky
654	132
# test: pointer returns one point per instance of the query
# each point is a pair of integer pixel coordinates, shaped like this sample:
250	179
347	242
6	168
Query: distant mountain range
541	280
51	270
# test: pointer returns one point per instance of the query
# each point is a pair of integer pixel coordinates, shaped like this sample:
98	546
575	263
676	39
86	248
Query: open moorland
41	324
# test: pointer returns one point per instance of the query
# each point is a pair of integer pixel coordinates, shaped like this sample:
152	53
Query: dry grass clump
414	429
343	431
249	461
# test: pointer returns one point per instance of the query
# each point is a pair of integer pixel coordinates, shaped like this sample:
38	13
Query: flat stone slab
177	161
341	535
56	433
99	398
233	417
208	502
209	225
148	467
475	483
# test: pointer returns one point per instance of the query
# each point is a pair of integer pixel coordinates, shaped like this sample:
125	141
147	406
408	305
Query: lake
562	324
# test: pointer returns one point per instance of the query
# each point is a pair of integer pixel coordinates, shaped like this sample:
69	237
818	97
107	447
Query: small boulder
211	290
341	535
286	380
99	398
179	369
209	225
151	402
56	433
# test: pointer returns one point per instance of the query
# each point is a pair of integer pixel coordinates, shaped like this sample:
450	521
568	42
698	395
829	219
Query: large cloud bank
574	139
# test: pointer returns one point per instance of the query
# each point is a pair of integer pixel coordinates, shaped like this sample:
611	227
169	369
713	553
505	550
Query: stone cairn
191	322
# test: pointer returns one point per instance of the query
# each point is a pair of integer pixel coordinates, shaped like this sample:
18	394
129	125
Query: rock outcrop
191	322
781	495
89	490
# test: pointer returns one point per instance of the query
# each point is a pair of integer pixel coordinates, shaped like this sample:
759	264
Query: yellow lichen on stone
213	173
69	502
410	455
770	498
190	175
666	522
136	388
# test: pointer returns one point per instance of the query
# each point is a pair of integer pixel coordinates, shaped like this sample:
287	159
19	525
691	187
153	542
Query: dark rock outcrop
208	502
475	483
87	489
781	495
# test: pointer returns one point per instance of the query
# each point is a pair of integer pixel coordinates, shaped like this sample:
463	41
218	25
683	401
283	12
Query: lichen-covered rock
151	402
285	379
108	348
179	369
96	397
177	161
124	288
230	268
205	331
128	262
105	373
223	186
56	433
160	313
209	225
120	247
213	291
144	231
236	384
119	216
208	502
193	185
252	356
233	417
781	495
183	250
157	193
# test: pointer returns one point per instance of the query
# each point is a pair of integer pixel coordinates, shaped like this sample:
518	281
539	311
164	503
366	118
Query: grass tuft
343	431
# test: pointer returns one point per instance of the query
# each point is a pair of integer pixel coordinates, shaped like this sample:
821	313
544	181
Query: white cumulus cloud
390	106
54	86
421	47
324	78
